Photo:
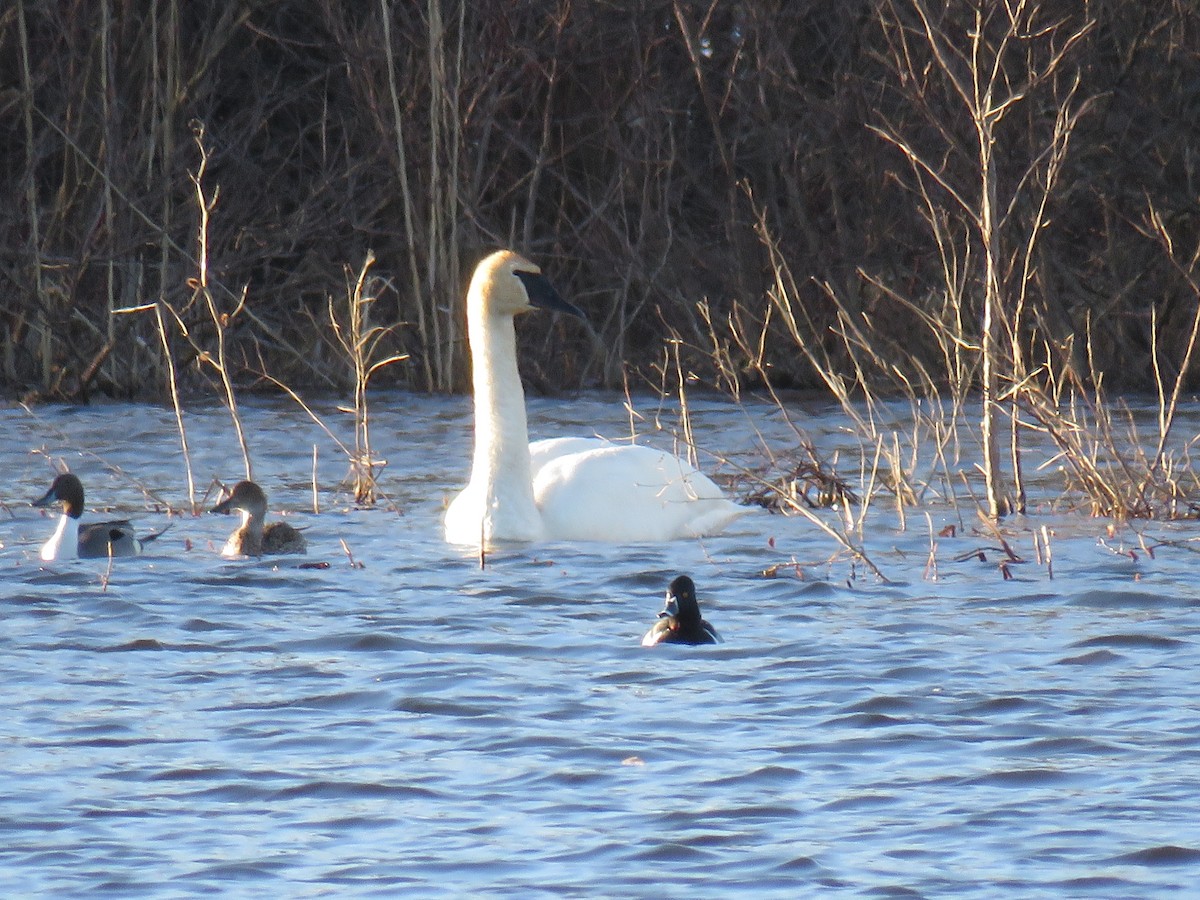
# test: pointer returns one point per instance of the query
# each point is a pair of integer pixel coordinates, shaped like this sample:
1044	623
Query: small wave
1067	746
235	872
1109	599
349	823
24	602
354	790
1004	705
64	578
570	778
859	801
1101	885
812	590
344	700
138	644
761	776
627	678
211	774
375	641
865	720
244	577
371	700
1165	855
1132	641
370	643
117	743
428	706
237	792
755	812
1096	657
884	704
1010	778
538	601
798	864
912	673
673	851
204	625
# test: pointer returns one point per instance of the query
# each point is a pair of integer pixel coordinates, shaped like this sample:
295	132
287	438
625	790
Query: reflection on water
185	723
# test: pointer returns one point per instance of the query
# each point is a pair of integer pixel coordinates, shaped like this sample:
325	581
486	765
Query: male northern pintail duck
680	622
575	489
253	538
96	540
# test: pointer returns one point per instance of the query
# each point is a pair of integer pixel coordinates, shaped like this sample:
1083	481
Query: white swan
567	489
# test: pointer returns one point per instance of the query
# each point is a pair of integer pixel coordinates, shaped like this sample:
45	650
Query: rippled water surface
185	724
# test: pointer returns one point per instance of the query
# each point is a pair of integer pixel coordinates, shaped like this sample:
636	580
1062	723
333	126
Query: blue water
184	724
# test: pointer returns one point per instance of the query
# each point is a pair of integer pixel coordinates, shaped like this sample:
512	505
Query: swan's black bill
542	294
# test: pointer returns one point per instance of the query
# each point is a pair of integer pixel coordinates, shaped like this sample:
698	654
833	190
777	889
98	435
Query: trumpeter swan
566	489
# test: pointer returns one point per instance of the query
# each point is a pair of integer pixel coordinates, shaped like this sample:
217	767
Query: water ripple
418	726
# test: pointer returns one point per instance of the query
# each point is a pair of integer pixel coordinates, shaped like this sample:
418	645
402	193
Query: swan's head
507	284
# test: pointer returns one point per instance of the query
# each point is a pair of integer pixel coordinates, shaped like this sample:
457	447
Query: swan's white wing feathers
541	452
590	489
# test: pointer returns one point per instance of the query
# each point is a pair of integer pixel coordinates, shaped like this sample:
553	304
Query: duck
252	538
680	622
95	540
559	489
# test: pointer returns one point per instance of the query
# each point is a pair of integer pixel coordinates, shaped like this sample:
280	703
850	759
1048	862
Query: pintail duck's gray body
254	537
95	540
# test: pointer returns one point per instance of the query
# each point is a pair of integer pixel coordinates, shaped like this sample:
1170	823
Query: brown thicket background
650	155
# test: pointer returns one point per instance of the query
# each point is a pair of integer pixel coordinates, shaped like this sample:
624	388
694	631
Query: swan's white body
565	489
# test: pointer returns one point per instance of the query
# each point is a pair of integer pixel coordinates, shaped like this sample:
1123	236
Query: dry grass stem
359	341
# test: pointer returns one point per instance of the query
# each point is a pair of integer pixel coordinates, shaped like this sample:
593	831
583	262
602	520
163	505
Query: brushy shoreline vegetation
871	198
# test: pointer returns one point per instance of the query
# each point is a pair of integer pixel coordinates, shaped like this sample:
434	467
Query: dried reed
359	341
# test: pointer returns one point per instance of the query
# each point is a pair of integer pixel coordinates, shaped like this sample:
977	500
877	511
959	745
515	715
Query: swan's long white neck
500	466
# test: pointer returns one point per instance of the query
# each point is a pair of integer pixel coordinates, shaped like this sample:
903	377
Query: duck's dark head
245	496
681	600
67	489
